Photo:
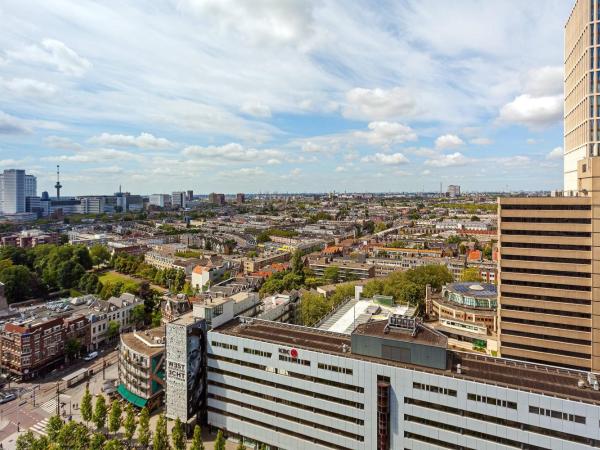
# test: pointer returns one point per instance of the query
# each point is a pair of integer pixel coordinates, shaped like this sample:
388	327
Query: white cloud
243	172
12	125
62	143
533	111
273	162
426	172
263	22
388	159
313	147
341	169
256	109
378	103
53	53
555	153
27	87
448	141
231	152
144	140
453	159
513	161
481	141
545	81
95	156
387	133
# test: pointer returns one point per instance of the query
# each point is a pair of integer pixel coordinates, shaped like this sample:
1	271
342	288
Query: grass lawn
113	277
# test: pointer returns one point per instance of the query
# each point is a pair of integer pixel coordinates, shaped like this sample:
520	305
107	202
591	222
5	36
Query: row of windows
434	441
567	287
546	298
436	389
279	415
473	433
547	311
535	348
333	368
583	248
324	381
303	362
491	401
560	273
263	382
547	233
253	351
272	427
224	345
547	337
288	402
504	422
539	323
547	220
550	207
557	414
551	259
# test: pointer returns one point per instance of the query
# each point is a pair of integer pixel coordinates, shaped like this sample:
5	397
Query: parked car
7	397
90	356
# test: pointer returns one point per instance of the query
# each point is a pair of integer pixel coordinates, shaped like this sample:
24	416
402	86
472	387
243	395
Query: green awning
131	397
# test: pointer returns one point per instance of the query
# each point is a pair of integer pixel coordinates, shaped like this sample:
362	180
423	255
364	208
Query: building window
333	368
435	389
491	401
556	414
303	362
253	351
224	345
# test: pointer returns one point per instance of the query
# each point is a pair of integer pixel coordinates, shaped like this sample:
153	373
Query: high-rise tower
581	88
58	186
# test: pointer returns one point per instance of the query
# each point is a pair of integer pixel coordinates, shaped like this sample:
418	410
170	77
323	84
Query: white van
90	356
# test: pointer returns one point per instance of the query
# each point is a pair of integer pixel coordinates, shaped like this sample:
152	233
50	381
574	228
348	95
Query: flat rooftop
541	379
149	342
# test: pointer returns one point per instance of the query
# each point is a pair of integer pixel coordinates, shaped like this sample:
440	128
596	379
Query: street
37	400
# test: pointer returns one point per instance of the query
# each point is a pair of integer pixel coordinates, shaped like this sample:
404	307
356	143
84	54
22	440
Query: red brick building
33	346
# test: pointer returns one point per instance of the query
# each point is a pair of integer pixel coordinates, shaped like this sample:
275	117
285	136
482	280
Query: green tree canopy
161	438
114	418
100	412
144	428
86	406
178	435
197	443
130	422
220	442
471	274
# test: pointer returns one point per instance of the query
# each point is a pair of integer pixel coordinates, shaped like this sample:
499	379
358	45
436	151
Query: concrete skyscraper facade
581	88
12	186
549	258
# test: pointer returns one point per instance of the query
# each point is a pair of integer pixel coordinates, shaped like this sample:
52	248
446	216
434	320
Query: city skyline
283	97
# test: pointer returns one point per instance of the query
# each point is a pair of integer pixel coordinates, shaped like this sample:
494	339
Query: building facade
383	390
142	367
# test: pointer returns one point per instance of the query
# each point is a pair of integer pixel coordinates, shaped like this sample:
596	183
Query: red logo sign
294	353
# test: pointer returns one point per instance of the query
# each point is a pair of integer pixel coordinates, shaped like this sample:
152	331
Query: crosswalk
40	427
49	406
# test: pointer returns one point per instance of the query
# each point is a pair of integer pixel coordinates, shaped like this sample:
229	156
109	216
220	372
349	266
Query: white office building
161	200
389	385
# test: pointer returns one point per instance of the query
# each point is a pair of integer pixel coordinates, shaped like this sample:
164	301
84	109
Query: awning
132	398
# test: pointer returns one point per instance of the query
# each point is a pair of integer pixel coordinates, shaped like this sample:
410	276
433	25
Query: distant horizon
306	103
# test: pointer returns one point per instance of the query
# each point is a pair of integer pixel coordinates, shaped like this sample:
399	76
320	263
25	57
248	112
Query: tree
113	444
97	441
138	314
112	331
178	435
72	348
17	283
53	427
471	274
297	263
114	418
89	283
99	254
220	441
332	273
161	438
86	406
241	446
73	436
100	412
144	428
28	441
313	307
156	318
68	274
129	424
197	443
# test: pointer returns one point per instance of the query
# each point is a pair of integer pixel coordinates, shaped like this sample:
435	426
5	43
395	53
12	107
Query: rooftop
149	342
473	289
546	380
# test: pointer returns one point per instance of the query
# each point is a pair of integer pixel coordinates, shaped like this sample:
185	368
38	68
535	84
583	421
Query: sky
283	95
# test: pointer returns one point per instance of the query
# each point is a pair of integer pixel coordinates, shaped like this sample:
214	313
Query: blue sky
283	96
